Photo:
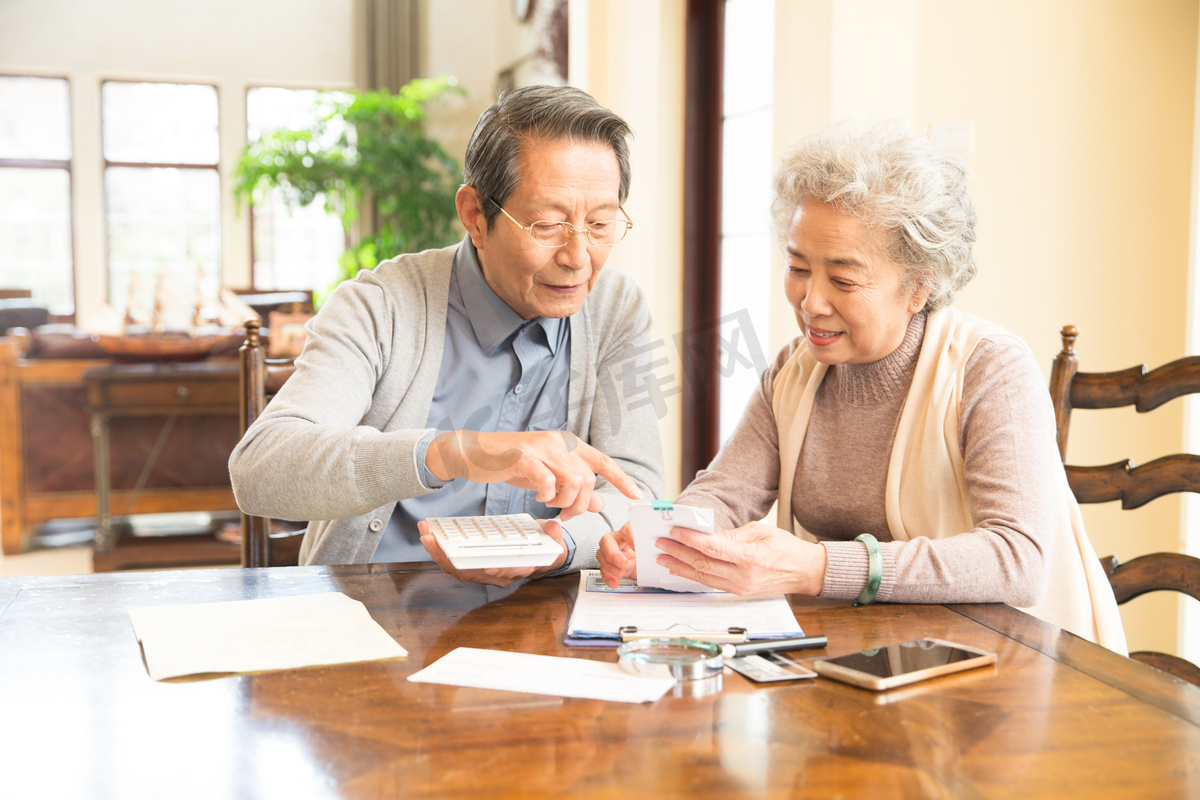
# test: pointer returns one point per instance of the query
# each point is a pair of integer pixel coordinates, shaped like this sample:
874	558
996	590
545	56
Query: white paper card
649	524
534	674
254	635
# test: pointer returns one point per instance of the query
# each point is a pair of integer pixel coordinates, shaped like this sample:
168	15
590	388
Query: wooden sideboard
47	462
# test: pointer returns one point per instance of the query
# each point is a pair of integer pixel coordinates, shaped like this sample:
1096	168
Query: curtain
387	43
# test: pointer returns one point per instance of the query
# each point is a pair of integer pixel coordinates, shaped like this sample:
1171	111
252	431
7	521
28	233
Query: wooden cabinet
47	459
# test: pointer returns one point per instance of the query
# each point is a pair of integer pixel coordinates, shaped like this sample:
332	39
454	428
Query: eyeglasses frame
574	231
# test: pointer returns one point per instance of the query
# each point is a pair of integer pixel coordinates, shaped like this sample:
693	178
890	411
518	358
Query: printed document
601	612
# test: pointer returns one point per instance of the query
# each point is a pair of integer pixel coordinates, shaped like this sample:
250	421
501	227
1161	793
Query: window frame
704	101
67	166
105	164
251	206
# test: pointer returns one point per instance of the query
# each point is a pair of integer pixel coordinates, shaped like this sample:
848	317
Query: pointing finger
606	467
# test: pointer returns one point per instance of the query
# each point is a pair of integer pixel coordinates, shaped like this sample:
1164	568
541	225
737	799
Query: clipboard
605	617
731	635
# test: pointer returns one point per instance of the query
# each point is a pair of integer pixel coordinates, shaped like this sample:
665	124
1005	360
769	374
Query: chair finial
252	327
1069	334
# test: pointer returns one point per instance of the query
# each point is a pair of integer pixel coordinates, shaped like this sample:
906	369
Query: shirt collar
492	320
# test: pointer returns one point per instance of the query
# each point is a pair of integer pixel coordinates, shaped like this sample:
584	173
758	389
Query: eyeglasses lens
557	234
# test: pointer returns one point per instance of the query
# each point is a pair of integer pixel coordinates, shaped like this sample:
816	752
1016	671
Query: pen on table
773	646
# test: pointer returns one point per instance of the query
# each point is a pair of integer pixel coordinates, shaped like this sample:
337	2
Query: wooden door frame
699	342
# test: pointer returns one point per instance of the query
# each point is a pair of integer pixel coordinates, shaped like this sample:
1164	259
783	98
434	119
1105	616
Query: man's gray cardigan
336	446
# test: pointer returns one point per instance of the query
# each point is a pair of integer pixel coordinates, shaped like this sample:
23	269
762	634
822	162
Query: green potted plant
368	149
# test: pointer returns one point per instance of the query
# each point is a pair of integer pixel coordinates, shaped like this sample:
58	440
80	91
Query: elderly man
491	377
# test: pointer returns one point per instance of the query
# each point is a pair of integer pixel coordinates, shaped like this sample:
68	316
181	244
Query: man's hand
753	559
557	465
616	556
494	577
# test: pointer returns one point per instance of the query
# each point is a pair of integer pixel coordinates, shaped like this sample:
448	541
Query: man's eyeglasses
547	233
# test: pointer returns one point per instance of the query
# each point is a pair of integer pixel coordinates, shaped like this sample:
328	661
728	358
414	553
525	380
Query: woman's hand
494	577
753	559
616	556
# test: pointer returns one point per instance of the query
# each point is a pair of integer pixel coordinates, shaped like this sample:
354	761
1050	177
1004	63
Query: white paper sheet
254	635
534	674
604	613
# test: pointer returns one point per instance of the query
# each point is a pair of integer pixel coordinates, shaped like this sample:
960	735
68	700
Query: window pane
745	295
160	123
269	109
34	121
294	247
163	237
35	235
747	283
749	54
746	172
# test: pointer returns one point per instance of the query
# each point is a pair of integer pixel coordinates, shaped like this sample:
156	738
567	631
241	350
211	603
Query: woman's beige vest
926	492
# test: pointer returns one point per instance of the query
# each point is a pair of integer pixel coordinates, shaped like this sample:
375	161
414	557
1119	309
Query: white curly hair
894	180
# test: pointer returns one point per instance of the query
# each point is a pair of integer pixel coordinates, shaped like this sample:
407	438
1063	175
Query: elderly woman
910	447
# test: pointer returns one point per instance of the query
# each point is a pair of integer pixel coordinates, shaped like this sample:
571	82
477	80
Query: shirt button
518	388
376	525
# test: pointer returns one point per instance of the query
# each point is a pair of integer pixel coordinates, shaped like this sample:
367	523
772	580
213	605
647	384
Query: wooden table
79	717
171	390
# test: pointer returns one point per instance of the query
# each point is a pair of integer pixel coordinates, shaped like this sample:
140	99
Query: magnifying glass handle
778	645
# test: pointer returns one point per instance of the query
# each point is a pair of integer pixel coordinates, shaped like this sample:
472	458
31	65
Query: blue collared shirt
499	372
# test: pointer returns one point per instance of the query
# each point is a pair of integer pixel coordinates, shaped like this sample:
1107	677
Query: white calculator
495	542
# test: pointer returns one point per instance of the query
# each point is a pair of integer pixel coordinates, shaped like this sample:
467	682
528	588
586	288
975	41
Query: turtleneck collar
883	380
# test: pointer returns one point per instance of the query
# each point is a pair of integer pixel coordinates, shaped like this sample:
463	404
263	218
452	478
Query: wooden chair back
261	378
1134	486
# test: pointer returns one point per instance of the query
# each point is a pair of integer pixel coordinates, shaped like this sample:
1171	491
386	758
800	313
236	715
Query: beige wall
1082	117
474	41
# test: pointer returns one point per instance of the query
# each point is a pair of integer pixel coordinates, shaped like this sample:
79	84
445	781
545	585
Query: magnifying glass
691	659
676	657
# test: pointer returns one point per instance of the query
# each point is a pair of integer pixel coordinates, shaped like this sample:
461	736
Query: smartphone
903	663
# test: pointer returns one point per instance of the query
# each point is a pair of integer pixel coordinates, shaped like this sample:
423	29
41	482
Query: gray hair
530	115
897	182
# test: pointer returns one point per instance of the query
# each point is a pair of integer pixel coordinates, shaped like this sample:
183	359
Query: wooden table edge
1165	692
